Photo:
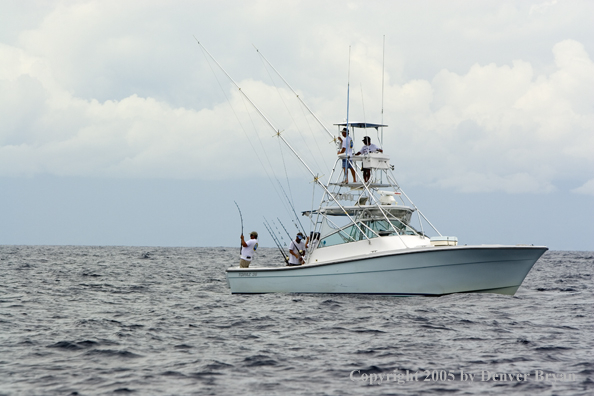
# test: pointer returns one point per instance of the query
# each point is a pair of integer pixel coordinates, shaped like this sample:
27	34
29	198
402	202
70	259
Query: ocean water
148	321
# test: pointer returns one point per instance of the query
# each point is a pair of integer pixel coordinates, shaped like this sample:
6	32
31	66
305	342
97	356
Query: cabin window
345	235
352	233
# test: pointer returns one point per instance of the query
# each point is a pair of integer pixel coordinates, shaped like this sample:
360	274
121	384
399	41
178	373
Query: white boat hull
428	271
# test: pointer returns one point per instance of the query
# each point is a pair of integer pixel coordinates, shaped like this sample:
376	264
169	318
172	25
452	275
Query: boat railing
380	158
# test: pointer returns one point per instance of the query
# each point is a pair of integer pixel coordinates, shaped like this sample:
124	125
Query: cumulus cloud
45	129
77	105
502	127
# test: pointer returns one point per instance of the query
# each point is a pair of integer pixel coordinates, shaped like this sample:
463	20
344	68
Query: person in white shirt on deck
297	250
347	147
248	249
366	149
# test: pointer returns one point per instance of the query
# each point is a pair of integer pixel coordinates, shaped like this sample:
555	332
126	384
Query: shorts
346	164
244	263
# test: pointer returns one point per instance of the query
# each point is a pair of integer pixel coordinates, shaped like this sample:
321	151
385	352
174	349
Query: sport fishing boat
363	240
364	243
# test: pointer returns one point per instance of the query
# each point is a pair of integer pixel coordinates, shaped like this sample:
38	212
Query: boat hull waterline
430	271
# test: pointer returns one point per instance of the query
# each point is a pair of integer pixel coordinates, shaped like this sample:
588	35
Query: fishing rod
276	241
280	136
279	233
290	237
241	217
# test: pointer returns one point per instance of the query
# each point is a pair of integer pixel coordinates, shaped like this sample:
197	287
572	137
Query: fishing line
231	105
280	150
311	132
278	134
294	211
291	88
267	159
244	131
300	133
287	109
204	52
303	105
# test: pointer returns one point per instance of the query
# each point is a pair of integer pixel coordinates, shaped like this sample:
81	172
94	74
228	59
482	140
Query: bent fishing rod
241	217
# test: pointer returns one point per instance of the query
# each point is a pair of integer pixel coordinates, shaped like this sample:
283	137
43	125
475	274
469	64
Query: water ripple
127	320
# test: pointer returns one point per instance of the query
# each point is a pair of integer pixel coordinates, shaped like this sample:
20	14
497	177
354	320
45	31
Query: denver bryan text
402	376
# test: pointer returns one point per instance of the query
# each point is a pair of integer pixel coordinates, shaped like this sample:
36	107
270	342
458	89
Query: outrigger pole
383	61
317	119
313	114
296	94
278	133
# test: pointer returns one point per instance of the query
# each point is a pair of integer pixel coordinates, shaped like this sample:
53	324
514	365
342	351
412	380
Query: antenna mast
383	59
348	93
348	127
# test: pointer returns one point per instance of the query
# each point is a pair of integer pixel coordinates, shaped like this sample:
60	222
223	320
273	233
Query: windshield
371	228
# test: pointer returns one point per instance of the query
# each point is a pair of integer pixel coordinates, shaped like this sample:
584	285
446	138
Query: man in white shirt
366	149
297	250
248	249
347	148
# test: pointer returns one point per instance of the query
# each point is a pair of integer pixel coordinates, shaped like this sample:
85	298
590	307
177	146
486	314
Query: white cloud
542	8
500	127
47	130
83	94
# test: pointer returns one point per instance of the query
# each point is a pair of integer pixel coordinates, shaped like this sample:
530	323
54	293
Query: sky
116	128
